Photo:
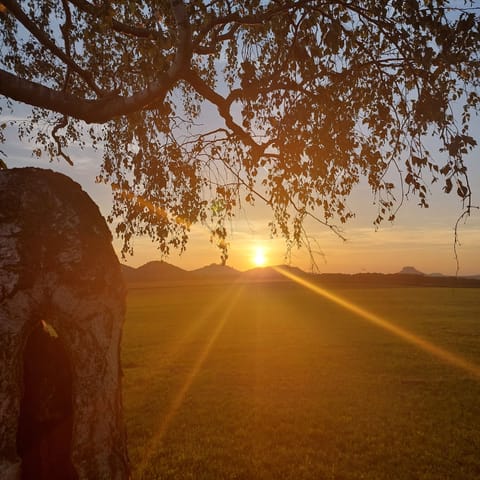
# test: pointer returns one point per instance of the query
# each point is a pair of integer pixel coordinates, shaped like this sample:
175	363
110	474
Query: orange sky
419	237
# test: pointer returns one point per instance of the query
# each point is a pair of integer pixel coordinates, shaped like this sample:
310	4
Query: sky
423	238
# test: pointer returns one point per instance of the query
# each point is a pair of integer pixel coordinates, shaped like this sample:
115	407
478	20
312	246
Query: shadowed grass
295	387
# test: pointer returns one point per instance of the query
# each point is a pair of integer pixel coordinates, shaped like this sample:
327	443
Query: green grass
275	382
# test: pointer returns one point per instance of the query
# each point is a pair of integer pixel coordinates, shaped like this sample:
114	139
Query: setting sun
259	256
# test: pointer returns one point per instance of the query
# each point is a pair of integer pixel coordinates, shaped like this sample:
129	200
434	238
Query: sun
259	256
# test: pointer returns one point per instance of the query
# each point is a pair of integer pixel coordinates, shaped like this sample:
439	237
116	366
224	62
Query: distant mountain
160	272
155	271
410	271
262	274
215	270
271	274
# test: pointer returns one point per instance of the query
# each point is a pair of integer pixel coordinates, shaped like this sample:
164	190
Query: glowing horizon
419	237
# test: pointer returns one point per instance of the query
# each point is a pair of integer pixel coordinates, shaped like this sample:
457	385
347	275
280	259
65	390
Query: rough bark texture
57	264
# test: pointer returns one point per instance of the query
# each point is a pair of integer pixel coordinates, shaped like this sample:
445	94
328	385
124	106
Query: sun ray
434	350
176	349
165	358
180	396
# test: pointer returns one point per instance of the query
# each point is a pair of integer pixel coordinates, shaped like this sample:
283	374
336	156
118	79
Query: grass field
270	381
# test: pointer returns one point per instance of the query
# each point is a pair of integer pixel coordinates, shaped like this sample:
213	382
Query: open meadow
271	381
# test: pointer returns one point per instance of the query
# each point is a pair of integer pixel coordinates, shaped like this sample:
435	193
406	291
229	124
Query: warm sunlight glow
228	303
259	256
438	352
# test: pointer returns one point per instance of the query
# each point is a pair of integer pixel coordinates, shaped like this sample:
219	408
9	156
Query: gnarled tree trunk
60	396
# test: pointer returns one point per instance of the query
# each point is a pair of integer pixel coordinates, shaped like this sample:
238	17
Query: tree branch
61	124
65	29
223	106
104	109
236	20
184	45
44	40
163	42
270	203
91	111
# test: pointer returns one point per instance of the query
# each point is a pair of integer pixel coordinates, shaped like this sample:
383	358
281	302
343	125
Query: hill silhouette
163	273
154	271
216	270
270	274
410	271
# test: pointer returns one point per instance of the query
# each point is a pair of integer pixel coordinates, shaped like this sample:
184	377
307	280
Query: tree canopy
308	97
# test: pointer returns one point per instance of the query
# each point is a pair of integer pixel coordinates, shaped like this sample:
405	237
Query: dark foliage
310	97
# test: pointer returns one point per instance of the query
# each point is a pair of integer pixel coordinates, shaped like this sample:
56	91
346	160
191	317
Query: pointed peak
410	271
